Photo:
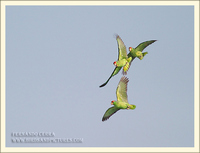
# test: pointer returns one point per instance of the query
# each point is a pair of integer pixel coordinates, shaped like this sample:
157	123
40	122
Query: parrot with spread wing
134	52
123	60
137	52
122	99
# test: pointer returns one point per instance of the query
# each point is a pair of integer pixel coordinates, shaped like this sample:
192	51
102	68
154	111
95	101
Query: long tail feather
116	70
105	82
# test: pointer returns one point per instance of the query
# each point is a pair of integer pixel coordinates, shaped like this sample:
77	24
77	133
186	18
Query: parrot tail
132	107
144	53
126	68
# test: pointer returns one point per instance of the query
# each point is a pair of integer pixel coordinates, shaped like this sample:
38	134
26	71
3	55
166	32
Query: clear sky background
58	56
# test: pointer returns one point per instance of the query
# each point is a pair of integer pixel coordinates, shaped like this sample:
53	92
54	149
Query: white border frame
103	149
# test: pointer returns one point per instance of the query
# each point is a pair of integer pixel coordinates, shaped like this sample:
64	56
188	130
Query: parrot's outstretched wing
143	45
121	91
116	70
109	113
121	48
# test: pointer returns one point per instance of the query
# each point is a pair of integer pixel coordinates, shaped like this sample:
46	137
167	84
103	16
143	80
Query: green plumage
122	54
122	58
137	52
143	45
125	60
110	112
122	99
121	91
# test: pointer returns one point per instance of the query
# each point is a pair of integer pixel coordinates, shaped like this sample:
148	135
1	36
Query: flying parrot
137	52
123	59
134	52
122	101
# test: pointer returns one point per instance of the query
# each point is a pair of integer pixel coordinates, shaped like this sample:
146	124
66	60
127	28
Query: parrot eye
130	48
114	63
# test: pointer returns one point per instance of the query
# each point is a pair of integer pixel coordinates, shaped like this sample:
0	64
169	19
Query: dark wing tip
102	85
107	117
104	119
152	41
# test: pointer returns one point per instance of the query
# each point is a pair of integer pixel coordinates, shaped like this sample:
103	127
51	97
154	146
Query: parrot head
115	63
112	102
130	48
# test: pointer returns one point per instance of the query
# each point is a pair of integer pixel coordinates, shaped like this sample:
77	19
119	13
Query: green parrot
137	52
122	101
133	53
123	59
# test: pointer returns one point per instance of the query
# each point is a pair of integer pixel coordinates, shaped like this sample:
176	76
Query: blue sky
57	56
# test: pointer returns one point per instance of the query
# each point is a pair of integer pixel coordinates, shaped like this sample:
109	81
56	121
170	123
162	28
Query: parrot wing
116	70
109	113
121	91
143	45
129	55
121	48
